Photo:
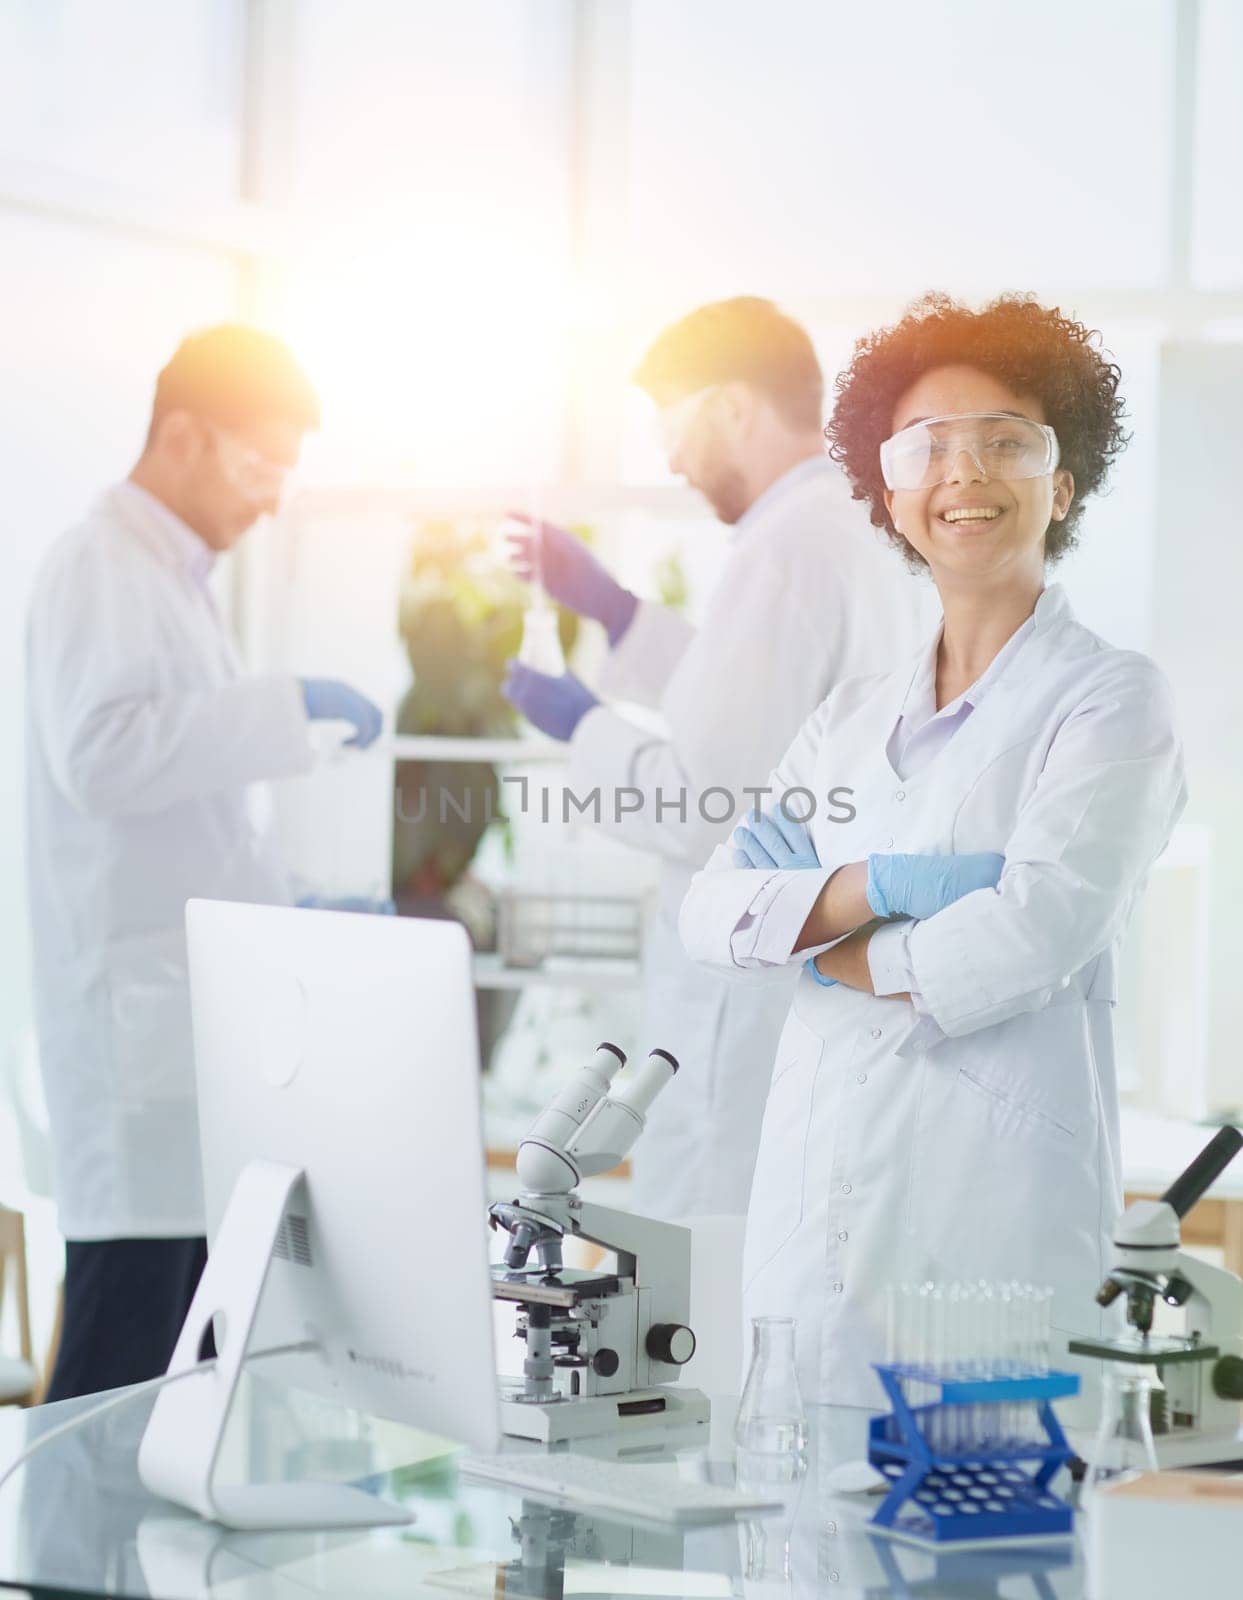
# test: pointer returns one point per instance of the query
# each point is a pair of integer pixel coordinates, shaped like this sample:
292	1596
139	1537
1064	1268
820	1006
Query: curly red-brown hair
1032	349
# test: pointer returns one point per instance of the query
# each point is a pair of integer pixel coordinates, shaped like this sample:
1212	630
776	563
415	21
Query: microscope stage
567	1289
1151	1353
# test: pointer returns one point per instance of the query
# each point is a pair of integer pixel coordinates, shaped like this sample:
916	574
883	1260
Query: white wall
1199	578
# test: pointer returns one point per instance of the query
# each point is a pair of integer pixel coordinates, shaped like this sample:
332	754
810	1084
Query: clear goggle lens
673	421
1001	445
255	476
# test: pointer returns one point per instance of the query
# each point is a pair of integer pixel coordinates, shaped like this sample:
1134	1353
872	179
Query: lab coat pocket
152	1046
777	1191
996	1174
1011	1113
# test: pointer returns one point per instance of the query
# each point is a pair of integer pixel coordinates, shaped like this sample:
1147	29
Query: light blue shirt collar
803	472
919	704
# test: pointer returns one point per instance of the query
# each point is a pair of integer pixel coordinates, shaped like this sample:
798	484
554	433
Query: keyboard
653	1493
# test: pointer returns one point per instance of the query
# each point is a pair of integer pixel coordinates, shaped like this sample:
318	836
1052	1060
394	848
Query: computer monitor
342	1047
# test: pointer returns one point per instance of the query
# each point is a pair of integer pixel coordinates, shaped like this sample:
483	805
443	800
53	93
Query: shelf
558	972
522	752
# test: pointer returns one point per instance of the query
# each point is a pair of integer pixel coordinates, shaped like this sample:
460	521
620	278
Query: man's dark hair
233	375
1032	349
744	339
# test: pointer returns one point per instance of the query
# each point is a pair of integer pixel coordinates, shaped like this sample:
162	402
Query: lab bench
77	1519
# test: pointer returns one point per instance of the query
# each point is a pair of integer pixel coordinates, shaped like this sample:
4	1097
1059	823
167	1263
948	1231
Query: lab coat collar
806	471
174	538
1052	607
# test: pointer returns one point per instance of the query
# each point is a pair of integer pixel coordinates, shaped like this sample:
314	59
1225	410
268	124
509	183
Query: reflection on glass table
78	1519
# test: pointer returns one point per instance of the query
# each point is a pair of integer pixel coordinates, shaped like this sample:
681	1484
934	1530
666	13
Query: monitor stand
181	1445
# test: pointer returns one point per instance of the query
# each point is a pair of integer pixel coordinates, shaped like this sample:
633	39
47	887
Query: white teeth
972	514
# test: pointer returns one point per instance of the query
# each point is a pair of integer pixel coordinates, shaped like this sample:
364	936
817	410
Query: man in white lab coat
143	734
807	597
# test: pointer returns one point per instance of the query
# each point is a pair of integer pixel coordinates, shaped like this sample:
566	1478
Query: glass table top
76	1520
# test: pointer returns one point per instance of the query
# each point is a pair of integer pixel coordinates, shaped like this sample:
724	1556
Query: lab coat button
901	795
838	1287
876	1033
845	1188
830	1527
889	844
862	1077
843	1235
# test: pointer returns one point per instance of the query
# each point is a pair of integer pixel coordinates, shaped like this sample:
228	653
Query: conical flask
1124	1440
771	1418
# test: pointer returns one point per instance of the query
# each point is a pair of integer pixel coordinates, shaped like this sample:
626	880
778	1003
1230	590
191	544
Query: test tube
923	1353
1043	1319
955	1323
936	1313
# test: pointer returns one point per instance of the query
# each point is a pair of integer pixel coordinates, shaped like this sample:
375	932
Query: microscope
1197	1418
550	1541
602	1348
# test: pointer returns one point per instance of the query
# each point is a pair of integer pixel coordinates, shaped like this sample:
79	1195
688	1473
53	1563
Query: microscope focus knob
605	1363
671	1342
1228	1378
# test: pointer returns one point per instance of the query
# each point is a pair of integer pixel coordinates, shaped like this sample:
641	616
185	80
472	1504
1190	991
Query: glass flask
1124	1439
765	1542
771	1418
541	641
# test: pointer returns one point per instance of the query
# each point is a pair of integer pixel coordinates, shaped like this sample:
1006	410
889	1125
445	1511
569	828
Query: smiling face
970	526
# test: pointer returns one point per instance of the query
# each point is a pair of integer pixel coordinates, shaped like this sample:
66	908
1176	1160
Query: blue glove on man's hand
562	563
348	902
773	839
555	705
920	886
329	700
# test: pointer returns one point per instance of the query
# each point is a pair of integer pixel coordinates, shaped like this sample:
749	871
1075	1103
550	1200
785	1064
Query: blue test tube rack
983	1493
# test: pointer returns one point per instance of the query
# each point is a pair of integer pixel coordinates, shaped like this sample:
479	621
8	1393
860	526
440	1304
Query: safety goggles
1001	446
673	422
255	476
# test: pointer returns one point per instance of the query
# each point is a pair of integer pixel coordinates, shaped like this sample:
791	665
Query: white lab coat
142	736
981	1140
809	594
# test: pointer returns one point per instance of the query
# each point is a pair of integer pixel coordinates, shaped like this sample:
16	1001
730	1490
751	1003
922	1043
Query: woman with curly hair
944	1101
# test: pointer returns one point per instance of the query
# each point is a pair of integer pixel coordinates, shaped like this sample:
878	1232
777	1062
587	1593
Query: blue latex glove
348	902
773	840
555	705
571	574
920	886
329	700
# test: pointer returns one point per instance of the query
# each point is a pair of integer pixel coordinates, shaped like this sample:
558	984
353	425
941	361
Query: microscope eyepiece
1204	1171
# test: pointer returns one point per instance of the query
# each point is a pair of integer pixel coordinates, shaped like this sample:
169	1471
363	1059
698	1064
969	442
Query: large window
1217	236
887	149
429	289
146	94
